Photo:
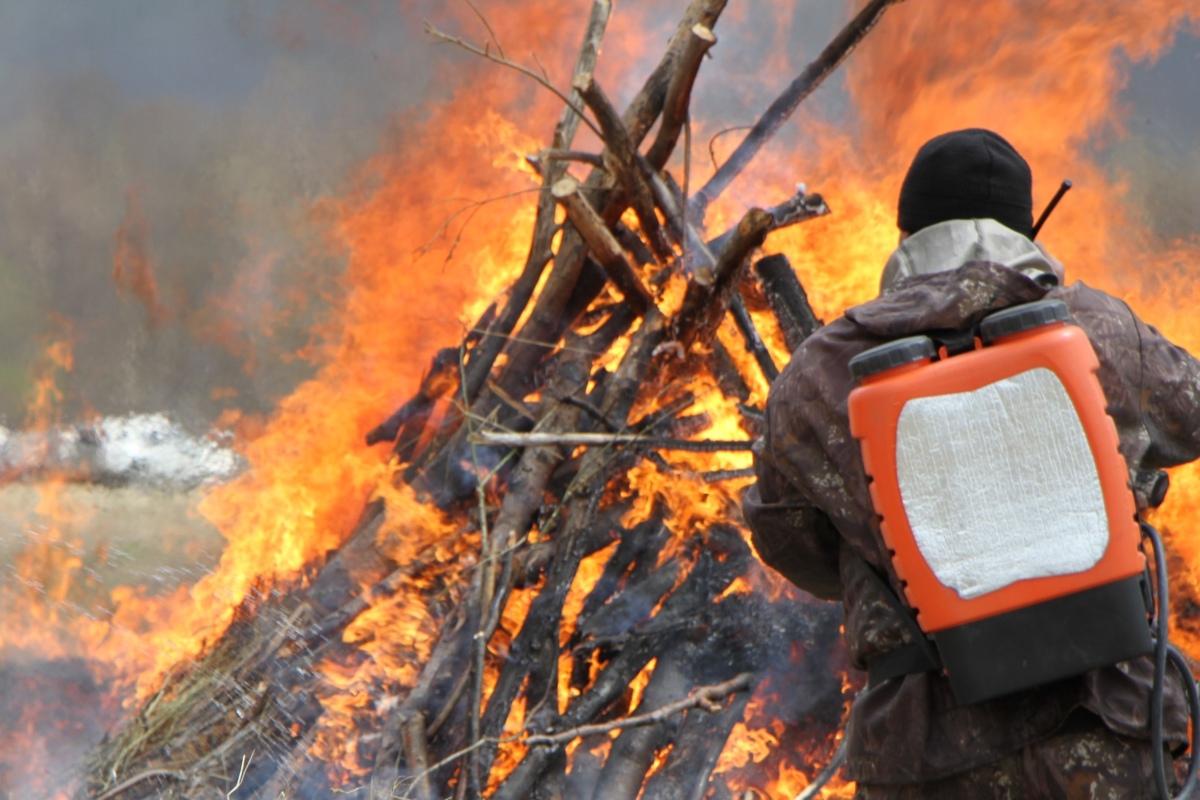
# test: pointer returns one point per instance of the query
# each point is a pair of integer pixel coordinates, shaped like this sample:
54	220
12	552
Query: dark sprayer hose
1163	652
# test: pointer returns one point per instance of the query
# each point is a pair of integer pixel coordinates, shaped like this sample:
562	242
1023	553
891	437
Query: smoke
159	167
163	166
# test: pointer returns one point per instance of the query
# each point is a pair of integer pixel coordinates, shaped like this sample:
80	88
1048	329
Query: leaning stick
708	292
754	343
787	298
705	697
619	157
603	244
604	439
787	102
679	93
484	355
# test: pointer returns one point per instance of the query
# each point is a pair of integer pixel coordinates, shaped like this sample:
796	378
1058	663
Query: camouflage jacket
812	519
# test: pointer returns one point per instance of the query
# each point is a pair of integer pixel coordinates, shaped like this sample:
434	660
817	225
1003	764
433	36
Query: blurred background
163	165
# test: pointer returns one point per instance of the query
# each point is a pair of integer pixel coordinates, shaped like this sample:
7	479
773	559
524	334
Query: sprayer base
1046	642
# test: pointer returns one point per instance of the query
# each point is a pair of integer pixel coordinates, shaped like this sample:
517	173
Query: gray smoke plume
187	143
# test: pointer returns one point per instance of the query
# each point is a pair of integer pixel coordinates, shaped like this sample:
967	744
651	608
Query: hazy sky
214	124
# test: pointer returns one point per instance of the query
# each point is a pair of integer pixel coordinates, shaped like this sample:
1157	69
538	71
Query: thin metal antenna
1037	226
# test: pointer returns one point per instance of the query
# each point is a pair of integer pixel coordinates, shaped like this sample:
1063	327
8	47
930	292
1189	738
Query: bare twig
604	439
712	153
125	786
705	697
241	774
488	25
470	209
782	108
485	53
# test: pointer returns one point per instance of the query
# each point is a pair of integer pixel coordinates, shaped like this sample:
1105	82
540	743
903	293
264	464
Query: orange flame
439	225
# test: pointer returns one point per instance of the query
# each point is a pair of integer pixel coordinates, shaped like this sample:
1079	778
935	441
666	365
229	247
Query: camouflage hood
949	245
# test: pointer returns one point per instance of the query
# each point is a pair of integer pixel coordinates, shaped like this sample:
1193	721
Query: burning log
584	640
710	291
790	99
787	298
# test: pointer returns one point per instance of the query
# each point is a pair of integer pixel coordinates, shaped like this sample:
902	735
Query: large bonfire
531	580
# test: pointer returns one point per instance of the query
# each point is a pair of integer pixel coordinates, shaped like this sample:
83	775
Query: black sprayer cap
1022	318
893	354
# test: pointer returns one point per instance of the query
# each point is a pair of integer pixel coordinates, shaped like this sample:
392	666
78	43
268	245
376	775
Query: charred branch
782	108
787	299
730	381
440	379
800	207
709	291
754	342
679	94
603	244
620	158
707	579
607	439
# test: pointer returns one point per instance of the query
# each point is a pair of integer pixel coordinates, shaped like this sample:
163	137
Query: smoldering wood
432	730
782	108
451	647
637	119
542	622
719	475
787	299
656	724
637	545
698	746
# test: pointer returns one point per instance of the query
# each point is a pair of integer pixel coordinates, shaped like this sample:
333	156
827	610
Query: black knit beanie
970	174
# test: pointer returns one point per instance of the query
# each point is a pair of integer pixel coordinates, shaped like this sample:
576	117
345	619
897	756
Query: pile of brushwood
556	435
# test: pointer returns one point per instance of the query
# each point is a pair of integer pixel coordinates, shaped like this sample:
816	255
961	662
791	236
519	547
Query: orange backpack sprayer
1005	505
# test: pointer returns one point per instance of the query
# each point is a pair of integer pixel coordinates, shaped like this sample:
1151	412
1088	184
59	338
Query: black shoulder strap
919	656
